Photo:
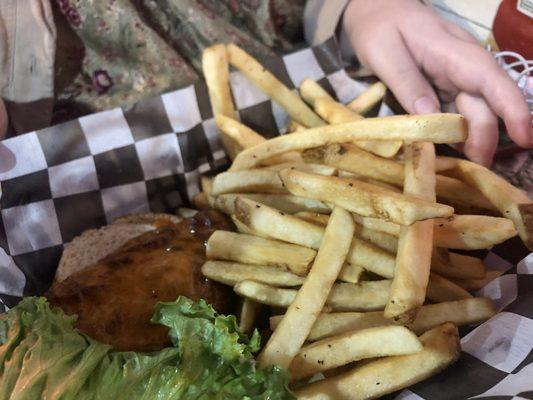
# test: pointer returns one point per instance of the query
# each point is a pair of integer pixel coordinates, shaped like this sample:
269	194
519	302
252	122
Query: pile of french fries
346	228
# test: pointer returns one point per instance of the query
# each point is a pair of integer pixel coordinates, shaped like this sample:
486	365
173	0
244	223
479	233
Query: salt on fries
350	238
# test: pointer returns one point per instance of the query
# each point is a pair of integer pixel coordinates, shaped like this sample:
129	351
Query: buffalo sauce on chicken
115	298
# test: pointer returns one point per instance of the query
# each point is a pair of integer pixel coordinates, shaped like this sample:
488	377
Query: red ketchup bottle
513	27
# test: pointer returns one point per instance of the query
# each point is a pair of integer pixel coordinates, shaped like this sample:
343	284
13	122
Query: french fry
286	203
277	225
315	218
353	346
436	128
441	289
311	91
312	168
362	198
509	200
362	296
476	284
295	127
368	99
348	157
336	113
281	94
413	260
216	72
351	273
248	181
292	331
389	374
453	265
377	224
247	315
239	133
471	232
230	273
242	228
460	312
248	249
201	201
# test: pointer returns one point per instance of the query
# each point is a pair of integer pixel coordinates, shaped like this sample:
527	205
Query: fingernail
425	105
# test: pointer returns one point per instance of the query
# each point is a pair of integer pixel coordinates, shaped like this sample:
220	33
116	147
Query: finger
482	128
400	73
459	32
480	74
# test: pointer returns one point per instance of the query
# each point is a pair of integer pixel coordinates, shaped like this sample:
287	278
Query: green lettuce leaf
42	356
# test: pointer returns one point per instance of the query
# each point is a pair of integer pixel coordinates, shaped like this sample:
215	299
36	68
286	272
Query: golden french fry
347	157
247	315
413	260
311	91
251	180
295	127
453	265
286	203
476	284
239	133
377	224
471	232
441	289
299	318
436	128
368	99
351	273
336	113
389	374
319	169
362	198
230	273
460	312
362	296
201	201
248	249
313	217
353	346
272	223
216	72
512	202
281	94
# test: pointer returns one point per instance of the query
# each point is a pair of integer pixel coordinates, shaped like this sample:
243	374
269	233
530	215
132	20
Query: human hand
412	50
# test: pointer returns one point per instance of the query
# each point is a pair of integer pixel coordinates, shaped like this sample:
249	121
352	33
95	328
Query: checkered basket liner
60	181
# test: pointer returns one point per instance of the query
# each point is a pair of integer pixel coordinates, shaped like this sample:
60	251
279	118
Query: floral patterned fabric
138	48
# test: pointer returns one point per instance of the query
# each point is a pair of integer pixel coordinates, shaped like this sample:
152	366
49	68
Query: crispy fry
336	113
201	201
362	198
389	374
248	249
353	346
295	127
292	331
230	273
247	315
351	273
413	260
460	312
348	157
377	224
311	91
471	232
239	133
476	284
509	200
286	203
216	72
278	225
441	289
362	296
248	181
272	86
368	99
319	169
437	128
453	265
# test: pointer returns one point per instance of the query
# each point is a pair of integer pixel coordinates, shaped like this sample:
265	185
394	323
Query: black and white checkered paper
83	174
